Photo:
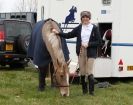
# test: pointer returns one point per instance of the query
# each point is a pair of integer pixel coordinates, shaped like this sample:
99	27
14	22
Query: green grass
19	87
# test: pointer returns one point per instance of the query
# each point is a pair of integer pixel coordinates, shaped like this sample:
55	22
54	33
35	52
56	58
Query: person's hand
85	45
55	31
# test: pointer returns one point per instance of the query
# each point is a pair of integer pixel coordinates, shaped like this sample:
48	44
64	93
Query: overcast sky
8	5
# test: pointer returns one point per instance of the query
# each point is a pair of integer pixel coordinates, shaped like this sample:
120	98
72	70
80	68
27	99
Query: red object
120	65
120	62
2	36
108	34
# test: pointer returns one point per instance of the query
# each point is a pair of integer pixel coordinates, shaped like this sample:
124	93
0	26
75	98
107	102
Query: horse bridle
54	77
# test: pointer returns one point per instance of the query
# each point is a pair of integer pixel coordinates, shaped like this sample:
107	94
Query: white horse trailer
26	16
107	14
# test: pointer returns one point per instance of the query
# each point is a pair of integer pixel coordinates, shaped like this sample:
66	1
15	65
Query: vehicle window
11	28
25	28
17	28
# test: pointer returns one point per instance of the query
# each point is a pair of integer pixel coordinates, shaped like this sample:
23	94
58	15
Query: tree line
27	6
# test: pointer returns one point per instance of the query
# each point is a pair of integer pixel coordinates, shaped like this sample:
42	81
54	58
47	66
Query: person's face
85	20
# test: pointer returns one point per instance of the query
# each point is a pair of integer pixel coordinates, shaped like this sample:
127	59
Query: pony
70	17
107	37
53	44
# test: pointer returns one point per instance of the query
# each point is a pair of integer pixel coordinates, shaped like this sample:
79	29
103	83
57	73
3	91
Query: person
88	39
38	52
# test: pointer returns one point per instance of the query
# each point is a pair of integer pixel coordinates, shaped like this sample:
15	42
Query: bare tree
32	5
0	5
27	6
21	6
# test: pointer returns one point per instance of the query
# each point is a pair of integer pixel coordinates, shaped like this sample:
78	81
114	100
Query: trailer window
18	16
23	17
3	16
12	17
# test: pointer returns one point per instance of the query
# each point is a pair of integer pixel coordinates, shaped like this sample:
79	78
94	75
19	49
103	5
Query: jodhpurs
85	63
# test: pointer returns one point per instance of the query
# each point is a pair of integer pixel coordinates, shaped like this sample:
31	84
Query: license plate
9	47
129	68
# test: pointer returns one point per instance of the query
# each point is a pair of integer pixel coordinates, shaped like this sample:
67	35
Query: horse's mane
53	42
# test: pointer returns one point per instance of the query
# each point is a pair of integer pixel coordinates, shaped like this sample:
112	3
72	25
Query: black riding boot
84	85
91	84
42	76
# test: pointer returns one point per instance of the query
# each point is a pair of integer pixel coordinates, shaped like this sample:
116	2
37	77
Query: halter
54	77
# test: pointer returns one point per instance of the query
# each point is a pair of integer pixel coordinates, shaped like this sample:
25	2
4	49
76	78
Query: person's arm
68	35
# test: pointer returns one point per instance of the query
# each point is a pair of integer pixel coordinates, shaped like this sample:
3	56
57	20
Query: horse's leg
42	75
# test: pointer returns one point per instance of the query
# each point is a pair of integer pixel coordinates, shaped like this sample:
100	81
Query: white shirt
85	34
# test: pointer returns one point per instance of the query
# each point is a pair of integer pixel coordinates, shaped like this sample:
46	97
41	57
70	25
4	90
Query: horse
107	37
53	44
70	17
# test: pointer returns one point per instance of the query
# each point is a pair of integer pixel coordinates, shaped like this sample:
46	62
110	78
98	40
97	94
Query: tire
23	43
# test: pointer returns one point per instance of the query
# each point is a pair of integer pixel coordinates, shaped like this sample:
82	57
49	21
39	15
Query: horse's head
61	78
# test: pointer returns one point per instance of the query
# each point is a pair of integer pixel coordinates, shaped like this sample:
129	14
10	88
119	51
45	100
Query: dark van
14	40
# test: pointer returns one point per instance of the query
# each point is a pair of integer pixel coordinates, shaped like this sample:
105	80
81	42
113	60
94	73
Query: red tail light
2	36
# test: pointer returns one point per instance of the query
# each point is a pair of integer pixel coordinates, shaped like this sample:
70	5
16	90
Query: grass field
19	87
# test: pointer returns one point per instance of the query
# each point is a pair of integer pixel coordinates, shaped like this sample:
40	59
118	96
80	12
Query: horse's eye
61	76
